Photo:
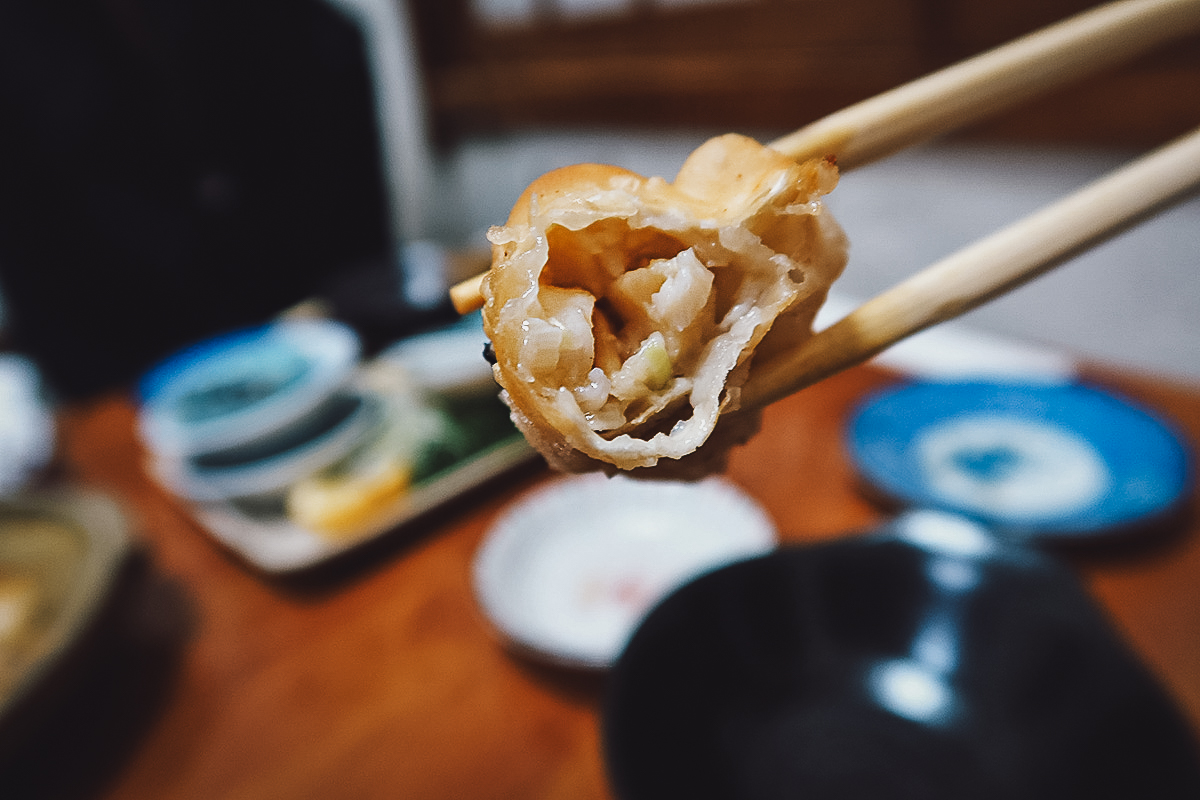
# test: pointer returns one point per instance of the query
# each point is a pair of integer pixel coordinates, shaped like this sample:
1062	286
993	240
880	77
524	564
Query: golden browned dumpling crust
624	311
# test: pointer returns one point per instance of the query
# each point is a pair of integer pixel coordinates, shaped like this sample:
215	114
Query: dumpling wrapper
624	311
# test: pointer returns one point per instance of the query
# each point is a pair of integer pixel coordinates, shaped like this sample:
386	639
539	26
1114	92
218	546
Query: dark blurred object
747	65
927	661
736	65
374	296
85	721
64	555
170	169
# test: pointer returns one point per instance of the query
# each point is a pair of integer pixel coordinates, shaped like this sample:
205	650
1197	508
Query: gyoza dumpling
624	311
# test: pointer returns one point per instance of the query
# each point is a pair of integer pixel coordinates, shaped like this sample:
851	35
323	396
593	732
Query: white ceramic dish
257	531
569	569
278	546
448	360
27	433
242	493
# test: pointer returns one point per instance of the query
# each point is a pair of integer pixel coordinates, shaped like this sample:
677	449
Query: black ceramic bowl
926	660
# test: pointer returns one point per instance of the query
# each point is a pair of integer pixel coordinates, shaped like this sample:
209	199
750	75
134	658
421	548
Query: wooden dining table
381	678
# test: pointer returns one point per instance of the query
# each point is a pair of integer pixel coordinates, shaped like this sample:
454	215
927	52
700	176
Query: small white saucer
447	360
567	572
27	427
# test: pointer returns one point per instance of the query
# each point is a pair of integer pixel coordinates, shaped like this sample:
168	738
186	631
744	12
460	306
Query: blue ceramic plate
926	660
239	388
1058	461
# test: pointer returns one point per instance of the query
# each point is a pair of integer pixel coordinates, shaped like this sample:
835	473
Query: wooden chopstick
970	90
985	269
997	79
467	295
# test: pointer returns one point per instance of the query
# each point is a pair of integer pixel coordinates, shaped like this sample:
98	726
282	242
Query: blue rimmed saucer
1038	461
244	386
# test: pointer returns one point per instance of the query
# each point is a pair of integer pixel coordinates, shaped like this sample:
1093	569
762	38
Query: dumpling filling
624	311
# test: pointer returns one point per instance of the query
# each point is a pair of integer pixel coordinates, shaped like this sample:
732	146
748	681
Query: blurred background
516	88
172	169
177	170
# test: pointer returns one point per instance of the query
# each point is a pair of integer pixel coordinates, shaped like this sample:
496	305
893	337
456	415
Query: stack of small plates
243	416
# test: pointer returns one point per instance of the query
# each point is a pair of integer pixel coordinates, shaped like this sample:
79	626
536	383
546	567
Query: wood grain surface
381	679
773	65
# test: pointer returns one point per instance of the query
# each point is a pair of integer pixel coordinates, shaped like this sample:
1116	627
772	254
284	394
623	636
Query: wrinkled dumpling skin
624	311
